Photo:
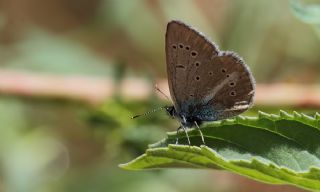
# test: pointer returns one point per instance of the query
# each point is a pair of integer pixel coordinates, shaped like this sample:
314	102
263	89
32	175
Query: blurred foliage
266	34
63	56
57	145
307	13
131	134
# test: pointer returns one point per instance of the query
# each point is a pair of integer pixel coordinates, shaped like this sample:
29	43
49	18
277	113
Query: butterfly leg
185	130
202	138
177	139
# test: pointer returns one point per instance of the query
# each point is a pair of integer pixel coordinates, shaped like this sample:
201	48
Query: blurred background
73	72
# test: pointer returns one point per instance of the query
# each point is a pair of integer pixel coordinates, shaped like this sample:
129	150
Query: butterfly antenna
148	112
157	88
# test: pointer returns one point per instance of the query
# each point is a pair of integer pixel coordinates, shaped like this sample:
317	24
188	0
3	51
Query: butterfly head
174	114
170	110
186	121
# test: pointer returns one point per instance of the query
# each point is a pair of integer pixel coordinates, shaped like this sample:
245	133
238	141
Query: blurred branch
95	90
27	84
86	89
284	94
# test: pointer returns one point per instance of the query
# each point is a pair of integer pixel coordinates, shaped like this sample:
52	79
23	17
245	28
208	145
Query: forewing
184	48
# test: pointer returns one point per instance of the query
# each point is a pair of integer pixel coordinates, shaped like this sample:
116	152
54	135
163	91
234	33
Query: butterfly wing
184	47
232	91
204	82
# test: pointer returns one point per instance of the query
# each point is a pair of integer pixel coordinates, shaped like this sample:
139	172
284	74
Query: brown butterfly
206	84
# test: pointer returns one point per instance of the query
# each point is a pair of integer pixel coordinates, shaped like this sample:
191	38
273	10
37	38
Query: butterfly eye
197	78
194	53
188	48
174	46
228	75
233	93
210	73
197	63
181	45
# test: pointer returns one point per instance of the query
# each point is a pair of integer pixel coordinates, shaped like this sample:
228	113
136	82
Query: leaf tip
284	114
240	118
127	166
227	121
297	115
135	164
123	166
307	117
262	114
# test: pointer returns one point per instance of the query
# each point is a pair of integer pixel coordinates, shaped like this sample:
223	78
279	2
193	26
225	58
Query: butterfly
205	84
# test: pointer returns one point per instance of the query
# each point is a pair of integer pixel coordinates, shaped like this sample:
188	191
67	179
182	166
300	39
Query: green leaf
307	13
276	149
45	52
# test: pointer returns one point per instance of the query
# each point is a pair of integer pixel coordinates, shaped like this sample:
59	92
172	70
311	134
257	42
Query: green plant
276	149
307	13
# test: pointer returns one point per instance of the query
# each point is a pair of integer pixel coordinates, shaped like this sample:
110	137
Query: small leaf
277	149
307	13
